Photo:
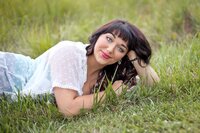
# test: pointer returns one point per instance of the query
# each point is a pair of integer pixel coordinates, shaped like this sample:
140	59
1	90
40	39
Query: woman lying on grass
72	71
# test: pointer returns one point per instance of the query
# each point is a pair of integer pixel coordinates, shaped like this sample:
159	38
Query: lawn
173	29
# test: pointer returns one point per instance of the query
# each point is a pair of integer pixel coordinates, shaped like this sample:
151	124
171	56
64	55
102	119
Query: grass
31	27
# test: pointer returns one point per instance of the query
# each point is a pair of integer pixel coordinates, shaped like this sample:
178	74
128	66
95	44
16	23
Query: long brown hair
136	41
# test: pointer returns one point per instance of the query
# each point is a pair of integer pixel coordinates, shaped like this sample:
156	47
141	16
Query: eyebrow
113	34
124	46
121	44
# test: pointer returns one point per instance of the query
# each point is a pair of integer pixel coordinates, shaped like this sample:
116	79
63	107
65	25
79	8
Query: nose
110	48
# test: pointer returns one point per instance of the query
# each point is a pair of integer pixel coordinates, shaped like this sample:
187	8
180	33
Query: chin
103	62
108	63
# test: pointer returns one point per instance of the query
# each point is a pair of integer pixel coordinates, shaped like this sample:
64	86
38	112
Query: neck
93	66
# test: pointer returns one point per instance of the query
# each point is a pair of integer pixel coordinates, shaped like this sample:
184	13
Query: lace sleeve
66	68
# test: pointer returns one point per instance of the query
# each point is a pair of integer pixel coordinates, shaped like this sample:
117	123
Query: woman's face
109	49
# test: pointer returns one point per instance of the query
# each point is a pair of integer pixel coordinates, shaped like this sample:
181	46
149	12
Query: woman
118	51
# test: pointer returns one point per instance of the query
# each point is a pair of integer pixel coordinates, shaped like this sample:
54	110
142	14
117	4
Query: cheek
101	42
119	56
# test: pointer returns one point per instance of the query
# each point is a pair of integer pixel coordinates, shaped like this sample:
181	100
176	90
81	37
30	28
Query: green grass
31	27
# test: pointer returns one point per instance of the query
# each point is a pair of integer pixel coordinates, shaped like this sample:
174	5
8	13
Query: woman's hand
131	55
145	71
118	87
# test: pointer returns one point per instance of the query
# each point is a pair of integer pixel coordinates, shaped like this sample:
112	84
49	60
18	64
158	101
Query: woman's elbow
68	110
154	79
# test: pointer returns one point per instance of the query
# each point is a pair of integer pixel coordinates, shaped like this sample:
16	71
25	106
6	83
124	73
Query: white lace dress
64	65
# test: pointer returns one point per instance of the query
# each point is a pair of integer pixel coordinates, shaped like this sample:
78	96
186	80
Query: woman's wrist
139	62
132	60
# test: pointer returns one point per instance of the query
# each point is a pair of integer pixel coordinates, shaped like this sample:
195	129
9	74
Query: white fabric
64	66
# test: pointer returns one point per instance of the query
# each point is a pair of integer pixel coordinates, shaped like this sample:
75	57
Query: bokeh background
31	27
172	27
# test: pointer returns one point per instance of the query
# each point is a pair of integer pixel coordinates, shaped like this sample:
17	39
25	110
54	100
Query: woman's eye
121	50
109	39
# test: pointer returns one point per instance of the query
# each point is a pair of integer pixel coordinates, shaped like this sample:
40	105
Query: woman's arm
70	104
147	73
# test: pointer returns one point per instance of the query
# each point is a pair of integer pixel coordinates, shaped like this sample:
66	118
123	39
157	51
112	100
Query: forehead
121	33
120	29
117	36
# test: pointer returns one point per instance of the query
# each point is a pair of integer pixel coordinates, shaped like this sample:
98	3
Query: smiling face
109	49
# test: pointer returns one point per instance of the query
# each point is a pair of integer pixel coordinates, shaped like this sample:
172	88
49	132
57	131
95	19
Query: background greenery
172	27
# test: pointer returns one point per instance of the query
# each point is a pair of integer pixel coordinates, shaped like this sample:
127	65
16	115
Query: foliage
31	27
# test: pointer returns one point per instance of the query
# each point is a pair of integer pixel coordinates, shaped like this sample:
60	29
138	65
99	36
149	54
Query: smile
104	55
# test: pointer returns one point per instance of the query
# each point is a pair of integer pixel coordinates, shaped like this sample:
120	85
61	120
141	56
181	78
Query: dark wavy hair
136	41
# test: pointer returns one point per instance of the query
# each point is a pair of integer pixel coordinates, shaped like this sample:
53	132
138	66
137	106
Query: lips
104	55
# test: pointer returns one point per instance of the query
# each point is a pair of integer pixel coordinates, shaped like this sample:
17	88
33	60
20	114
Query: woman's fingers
131	55
118	86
